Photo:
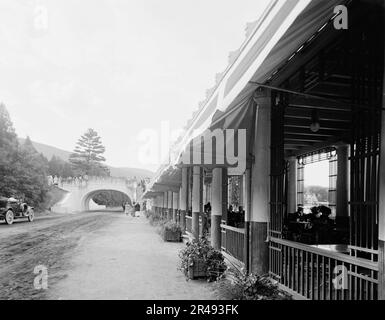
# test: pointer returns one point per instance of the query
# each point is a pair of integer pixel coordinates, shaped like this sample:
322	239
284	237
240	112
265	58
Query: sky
317	174
116	66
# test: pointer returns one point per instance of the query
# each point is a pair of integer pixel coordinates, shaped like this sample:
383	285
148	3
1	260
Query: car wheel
31	215
9	217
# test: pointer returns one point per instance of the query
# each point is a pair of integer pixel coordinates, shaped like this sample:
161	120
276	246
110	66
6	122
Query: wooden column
260	188
175	198
218	205
381	210
292	183
183	199
342	181
246	186
196	200
165	204
169	205
155	207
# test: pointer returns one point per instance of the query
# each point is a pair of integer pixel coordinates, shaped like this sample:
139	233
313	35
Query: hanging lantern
314	125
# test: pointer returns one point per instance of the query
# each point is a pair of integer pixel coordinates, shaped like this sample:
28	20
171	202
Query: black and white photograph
204	152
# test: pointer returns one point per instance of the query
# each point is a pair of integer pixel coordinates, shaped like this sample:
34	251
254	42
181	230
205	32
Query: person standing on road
127	209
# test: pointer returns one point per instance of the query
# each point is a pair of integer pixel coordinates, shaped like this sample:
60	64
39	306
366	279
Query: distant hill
49	151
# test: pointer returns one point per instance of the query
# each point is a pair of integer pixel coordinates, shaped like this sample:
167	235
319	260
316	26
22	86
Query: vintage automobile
11	209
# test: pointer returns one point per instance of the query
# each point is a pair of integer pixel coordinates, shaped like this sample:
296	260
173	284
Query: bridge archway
79	193
85	202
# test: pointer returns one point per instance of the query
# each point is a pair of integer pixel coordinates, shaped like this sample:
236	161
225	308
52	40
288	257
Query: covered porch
316	97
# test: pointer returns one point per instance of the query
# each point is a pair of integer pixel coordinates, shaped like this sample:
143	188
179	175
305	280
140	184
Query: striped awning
282	29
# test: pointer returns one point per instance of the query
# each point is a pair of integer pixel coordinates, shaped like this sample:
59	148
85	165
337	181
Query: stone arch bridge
80	193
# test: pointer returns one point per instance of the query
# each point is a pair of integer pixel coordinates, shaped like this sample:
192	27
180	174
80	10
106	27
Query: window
317	180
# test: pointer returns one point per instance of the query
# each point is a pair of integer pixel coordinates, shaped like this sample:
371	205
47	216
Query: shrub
202	250
148	213
170	231
237	285
155	219
172	226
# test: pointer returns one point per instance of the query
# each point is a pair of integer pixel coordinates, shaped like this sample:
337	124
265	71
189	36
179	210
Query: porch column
381	209
196	200
175	197
246	184
165	204
218	204
158	204
292	186
260	188
183	199
342	181
170	205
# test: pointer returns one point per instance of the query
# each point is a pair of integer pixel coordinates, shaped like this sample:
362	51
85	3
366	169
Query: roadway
92	255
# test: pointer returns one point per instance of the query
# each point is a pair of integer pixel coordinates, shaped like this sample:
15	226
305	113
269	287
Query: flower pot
173	236
197	268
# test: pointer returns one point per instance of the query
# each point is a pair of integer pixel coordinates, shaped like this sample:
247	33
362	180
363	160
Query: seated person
230	216
207	208
296	215
322	224
325	210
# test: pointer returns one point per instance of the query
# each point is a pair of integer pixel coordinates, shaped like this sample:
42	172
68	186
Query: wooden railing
233	241
313	273
188	223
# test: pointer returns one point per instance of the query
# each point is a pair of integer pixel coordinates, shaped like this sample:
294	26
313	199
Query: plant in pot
171	231
155	219
238	285
200	260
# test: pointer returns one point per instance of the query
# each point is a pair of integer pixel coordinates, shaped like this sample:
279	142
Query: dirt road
98	255
48	241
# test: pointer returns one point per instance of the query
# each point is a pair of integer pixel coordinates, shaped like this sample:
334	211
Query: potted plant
155	219
200	260
171	231
238	285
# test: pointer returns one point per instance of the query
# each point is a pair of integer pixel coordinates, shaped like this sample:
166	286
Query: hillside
49	151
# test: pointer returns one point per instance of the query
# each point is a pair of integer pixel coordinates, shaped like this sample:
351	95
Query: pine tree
87	157
31	171
8	153
23	170
59	167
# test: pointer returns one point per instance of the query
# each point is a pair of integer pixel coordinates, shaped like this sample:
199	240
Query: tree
8	153
59	167
87	157
31	169
111	198
23	170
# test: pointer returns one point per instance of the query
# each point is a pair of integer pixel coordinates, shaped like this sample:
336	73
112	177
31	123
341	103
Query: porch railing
320	274
233	241
188	223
